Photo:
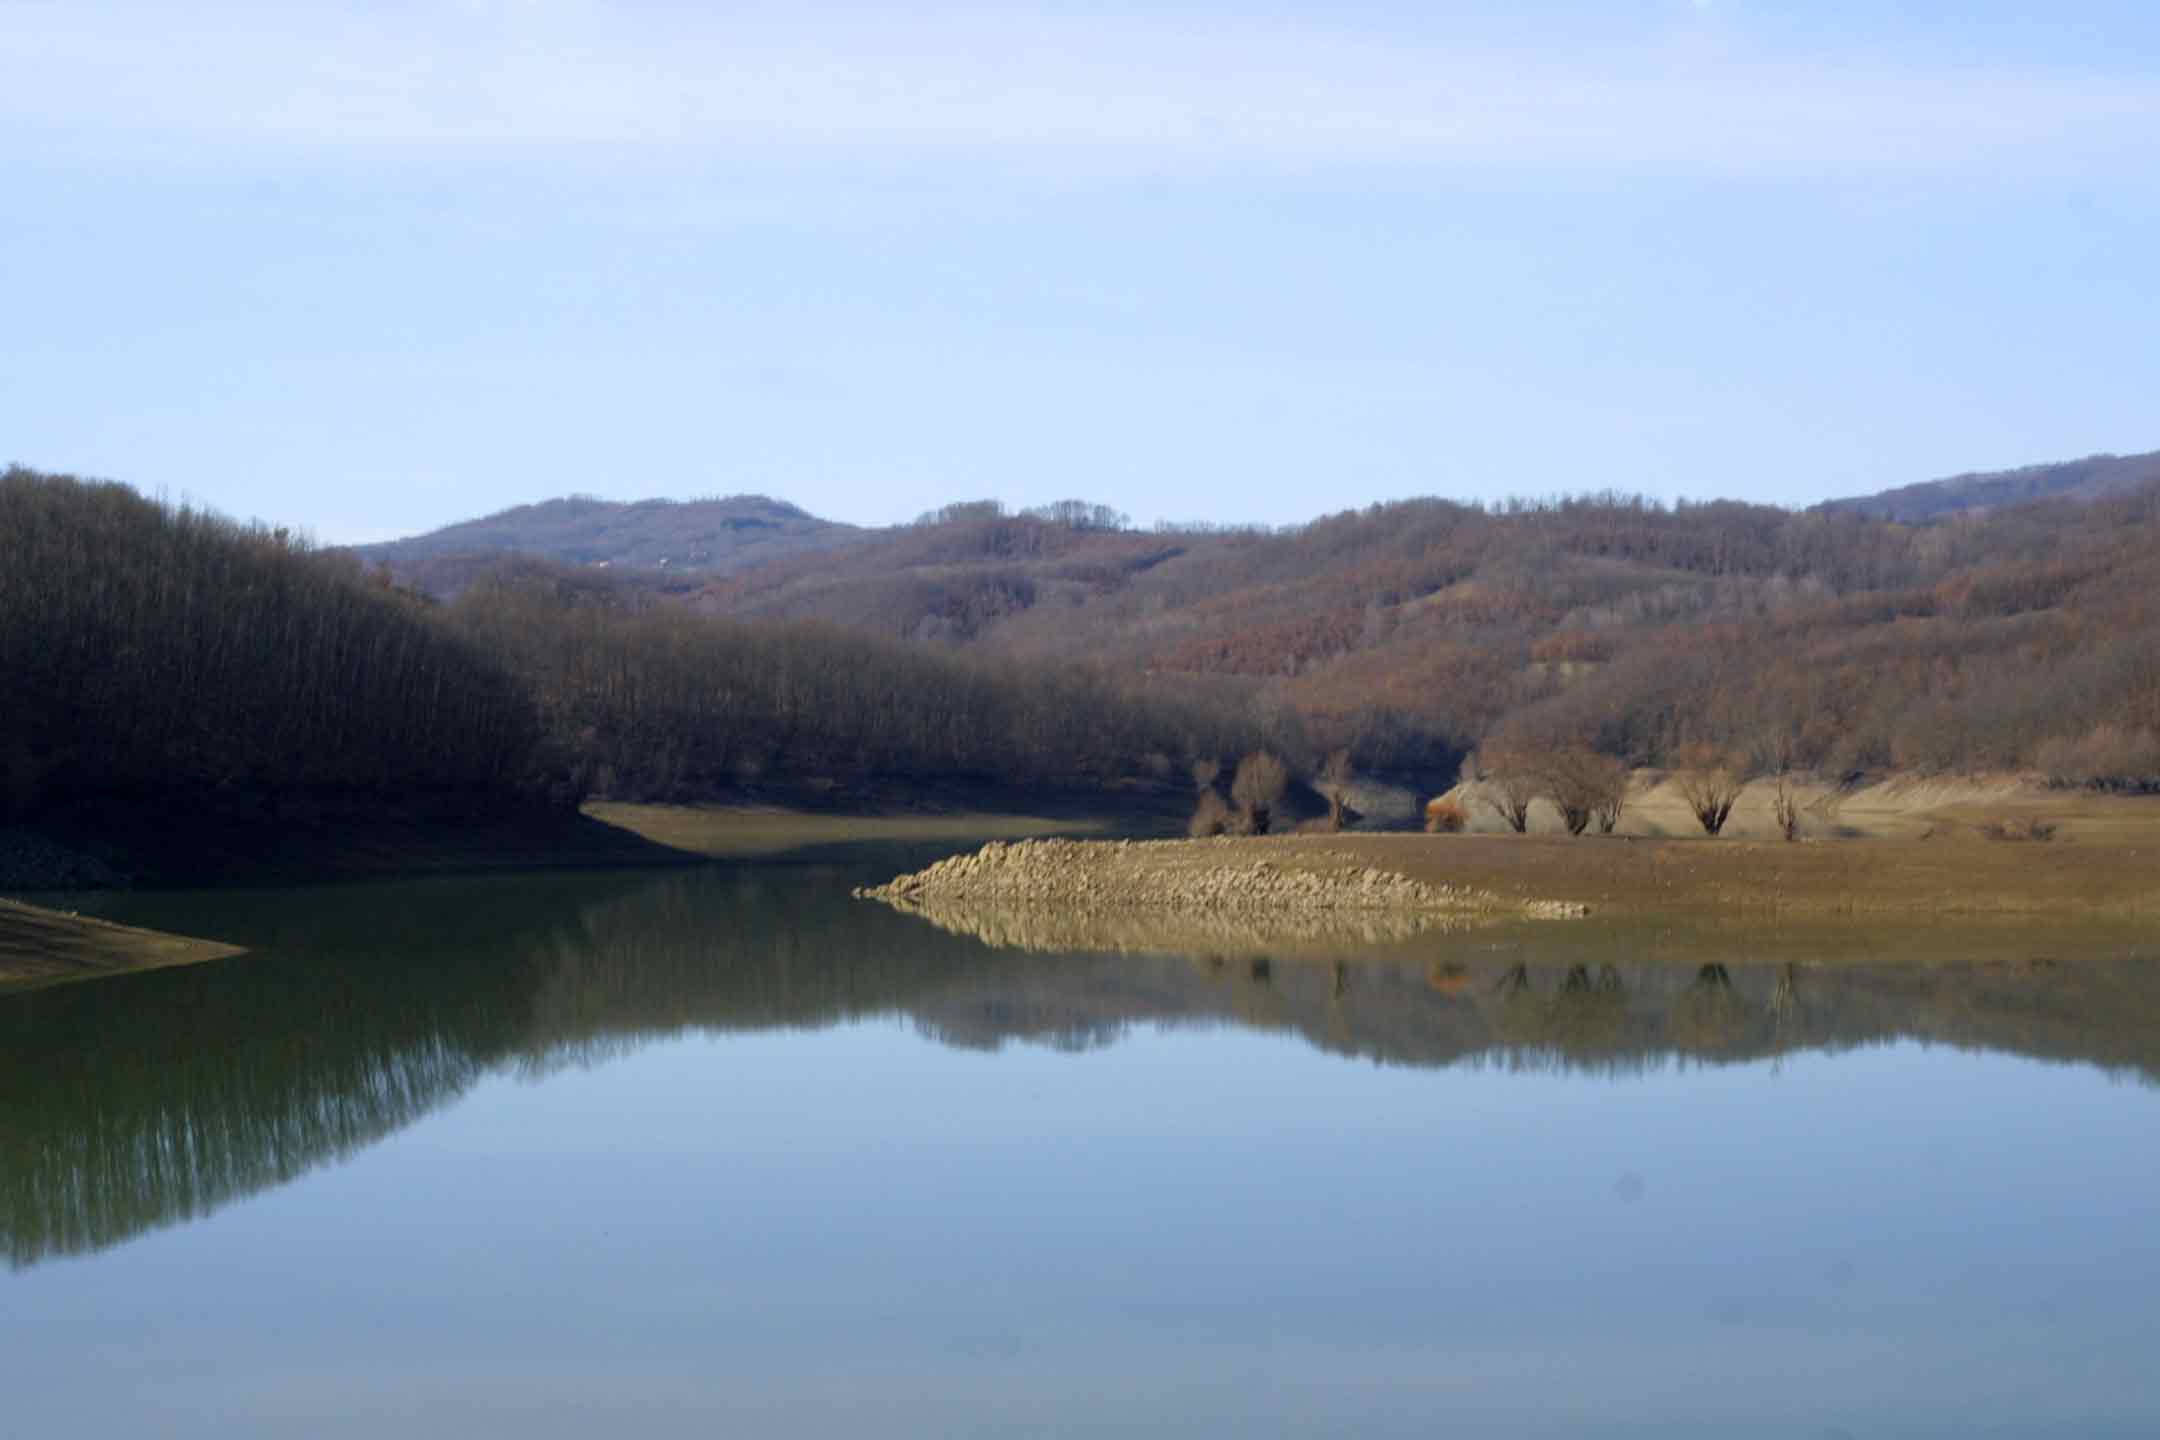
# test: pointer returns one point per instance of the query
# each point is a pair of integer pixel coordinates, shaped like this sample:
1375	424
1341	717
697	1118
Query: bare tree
1258	787
1444	816
1710	782
1785	806
1507	781
1584	786
1612	801
1334	782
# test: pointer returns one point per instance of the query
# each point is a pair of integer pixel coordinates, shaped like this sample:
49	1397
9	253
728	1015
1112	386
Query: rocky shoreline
1191	876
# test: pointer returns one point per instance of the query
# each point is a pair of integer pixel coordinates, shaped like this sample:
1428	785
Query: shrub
1211	817
1444	816
2017	828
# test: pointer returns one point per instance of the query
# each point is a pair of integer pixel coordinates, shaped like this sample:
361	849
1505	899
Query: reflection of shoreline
1124	931
146	1100
1609	1019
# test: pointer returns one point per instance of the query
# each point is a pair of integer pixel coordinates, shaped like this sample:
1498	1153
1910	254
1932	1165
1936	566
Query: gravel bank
1186	875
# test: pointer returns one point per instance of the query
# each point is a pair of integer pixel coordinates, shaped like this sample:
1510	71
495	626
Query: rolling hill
1840	639
2091	478
714	536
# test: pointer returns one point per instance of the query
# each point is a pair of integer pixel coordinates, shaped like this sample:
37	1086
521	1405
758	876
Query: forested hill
164	662
157	652
1413	632
2092	478
711	536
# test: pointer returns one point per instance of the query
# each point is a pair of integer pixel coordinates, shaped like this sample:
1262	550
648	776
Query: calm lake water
721	1152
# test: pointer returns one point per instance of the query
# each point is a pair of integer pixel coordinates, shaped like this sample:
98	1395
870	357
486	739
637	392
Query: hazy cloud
1036	92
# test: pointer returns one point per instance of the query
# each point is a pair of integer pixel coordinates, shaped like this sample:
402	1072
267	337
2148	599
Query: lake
723	1152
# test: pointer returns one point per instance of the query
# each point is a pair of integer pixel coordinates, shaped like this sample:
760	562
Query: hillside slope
713	536
1410	633
2092	478
2024	636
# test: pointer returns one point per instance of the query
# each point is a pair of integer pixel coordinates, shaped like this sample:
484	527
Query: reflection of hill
133	1103
1615	1018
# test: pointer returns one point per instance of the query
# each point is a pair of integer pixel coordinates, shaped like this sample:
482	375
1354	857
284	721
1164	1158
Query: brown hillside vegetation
1409	633
2089	479
165	650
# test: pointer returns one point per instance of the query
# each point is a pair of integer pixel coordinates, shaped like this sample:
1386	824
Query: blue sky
367	268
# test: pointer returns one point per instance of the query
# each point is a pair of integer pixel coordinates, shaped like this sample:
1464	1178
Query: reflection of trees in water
1582	1023
132	1103
126	1105
1589	1013
1707	1018
1787	1024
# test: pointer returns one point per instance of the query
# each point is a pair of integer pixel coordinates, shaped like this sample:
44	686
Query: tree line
149	649
146	647
1414	633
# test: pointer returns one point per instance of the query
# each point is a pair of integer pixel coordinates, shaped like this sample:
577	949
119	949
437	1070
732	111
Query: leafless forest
153	650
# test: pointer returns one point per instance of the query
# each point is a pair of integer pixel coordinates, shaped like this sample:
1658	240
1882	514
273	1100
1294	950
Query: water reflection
135	1103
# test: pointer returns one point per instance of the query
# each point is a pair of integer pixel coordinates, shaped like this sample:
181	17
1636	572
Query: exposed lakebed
713	1151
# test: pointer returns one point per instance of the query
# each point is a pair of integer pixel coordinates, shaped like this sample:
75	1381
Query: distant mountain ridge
715	536
2091	478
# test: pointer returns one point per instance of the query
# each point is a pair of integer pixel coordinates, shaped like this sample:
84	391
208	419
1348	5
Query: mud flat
1050	894
45	947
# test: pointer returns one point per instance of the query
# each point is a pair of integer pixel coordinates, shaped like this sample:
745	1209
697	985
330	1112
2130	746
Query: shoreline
1611	878
223	842
41	947
305	840
2102	864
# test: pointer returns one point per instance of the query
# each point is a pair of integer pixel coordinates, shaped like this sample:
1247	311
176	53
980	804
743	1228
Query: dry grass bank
45	947
2117	874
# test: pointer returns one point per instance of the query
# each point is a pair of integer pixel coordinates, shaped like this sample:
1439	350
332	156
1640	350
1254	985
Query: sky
367	267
